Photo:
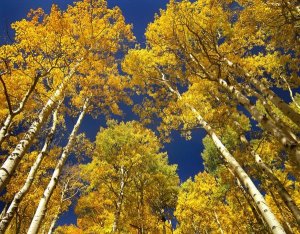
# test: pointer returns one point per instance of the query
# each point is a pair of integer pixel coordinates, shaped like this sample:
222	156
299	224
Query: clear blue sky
139	13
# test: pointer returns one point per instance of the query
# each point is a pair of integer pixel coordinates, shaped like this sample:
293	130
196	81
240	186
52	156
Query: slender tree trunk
285	196
218	222
265	211
42	207
55	218
5	127
258	198
141	210
287	226
53	223
3	212
119	202
287	138
11	163
278	102
291	93
267	107
254	210
270	95
30	178
12	113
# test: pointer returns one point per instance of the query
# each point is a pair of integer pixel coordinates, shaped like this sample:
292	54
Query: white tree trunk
42	207
53	223
12	113
55	218
278	102
30	178
285	196
258	198
253	207
269	110
270	95
9	166
287	138
119	201
4	128
218	222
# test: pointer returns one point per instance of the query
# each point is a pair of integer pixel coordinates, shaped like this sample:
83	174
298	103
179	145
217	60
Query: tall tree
31	176
164	87
131	185
197	41
92	49
42	207
201	208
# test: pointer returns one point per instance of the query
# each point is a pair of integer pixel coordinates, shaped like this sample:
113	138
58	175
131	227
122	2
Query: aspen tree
286	197
129	182
31	176
71	186
41	209
200	39
158	77
83	58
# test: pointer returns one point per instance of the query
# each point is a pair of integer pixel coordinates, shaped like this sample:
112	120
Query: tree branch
6	95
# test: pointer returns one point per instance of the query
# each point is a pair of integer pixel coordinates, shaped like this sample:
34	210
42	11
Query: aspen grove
229	69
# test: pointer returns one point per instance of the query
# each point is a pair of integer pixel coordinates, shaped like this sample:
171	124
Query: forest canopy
230	68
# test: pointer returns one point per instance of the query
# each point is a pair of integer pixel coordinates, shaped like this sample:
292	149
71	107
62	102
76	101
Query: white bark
267	123
278	102
285	196
42	207
218	222
30	178
269	110
12	113
55	218
119	201
291	93
53	223
270	95
286	224
258	198
4	128
9	166
286	137
3	212
254	209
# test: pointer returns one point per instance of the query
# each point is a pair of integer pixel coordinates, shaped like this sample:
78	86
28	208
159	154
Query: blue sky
139	13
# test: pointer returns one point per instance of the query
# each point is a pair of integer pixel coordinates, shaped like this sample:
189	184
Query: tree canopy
228	67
